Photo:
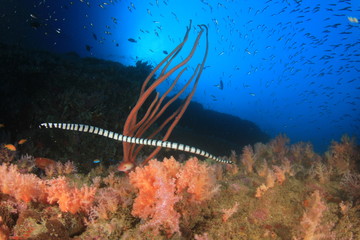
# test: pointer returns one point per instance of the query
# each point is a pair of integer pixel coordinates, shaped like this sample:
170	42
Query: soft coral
25	187
29	187
156	197
162	184
70	199
198	179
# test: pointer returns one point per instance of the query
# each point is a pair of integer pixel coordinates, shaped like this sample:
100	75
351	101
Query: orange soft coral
227	213
25	187
162	184
247	158
344	155
198	179
29	187
70	199
157	196
279	145
311	220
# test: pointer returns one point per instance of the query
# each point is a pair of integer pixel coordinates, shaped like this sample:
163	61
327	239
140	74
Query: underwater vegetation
273	191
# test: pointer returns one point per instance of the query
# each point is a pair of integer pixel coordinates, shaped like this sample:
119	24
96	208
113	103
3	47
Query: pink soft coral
162	184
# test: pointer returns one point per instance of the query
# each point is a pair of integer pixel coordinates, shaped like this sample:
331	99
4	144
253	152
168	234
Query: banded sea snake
142	141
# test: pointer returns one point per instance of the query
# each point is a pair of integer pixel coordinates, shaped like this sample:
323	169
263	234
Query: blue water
289	66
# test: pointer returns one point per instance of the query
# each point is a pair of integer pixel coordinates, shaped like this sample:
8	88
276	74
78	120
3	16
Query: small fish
2	125
220	85
132	40
353	20
125	167
88	48
252	94
94	36
10	147
35	24
114	20
22	141
97	161
42	163
165	52
175	16
221	5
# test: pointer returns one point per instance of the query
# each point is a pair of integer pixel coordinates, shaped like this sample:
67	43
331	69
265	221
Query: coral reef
284	197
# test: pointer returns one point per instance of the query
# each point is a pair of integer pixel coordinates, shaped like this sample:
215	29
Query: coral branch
135	128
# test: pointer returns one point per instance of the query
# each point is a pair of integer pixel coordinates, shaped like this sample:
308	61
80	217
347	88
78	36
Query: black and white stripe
122	138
